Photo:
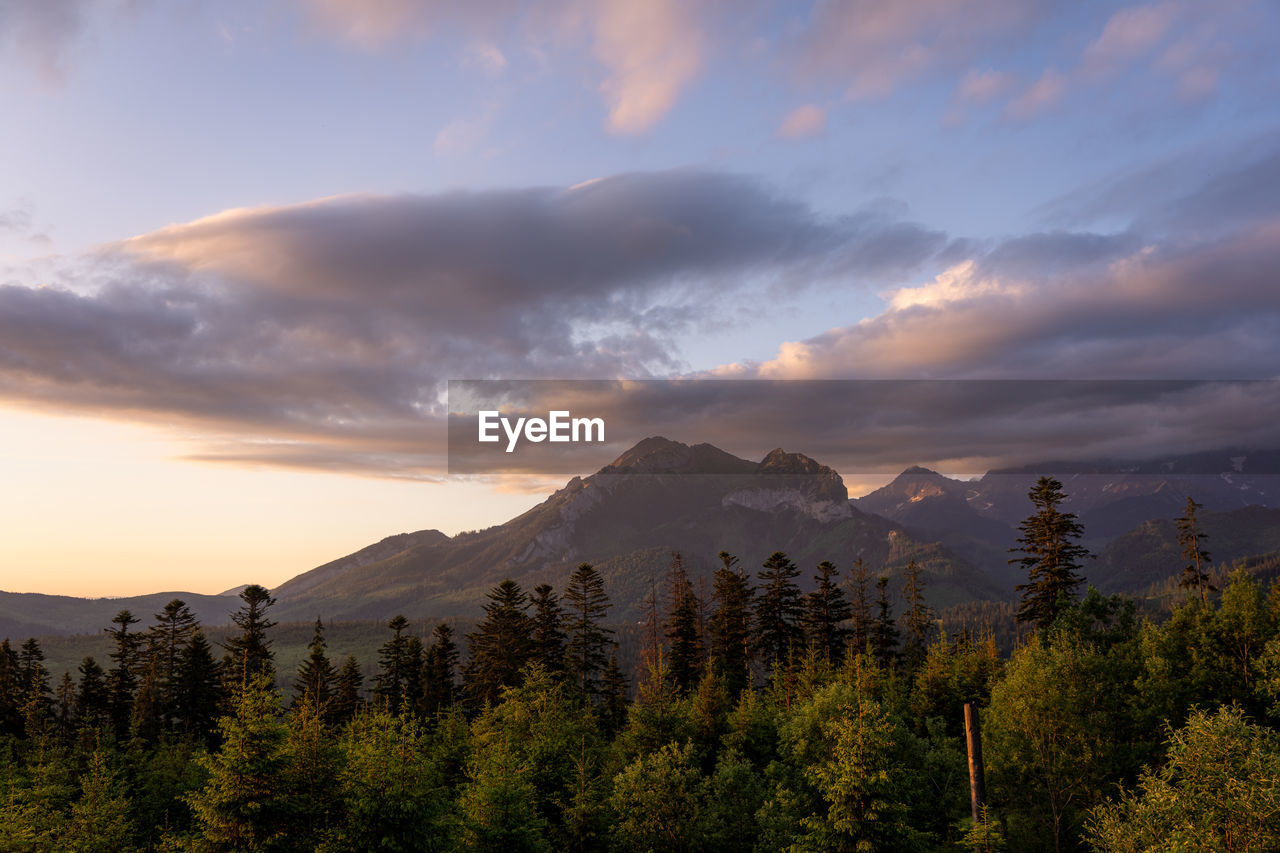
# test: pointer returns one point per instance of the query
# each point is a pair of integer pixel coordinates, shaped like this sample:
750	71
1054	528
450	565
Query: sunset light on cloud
244	245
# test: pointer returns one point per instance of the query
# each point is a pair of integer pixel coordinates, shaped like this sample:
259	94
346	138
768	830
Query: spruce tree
501	644
884	631
122	678
315	680
1195	574
93	700
729	628
199	688
10	691
249	654
917	619
414	666
613	707
440	667
825	612
393	667
166	640
684	659
548	630
36	697
778	609
1051	556
346	694
859	606
589	641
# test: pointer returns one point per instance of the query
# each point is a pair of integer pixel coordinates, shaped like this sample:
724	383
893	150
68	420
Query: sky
245	245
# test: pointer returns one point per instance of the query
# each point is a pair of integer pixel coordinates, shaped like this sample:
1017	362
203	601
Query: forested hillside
760	718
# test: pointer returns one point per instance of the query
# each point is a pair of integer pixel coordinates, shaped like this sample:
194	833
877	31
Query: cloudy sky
244	245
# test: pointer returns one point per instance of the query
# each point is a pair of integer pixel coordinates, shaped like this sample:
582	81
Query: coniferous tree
884	631
1195	574
548	630
589	641
778	609
684	658
859	606
64	706
614	694
414	665
501	644
166	640
198	693
147	721
917	619
1051	556
10	691
122	678
393	667
825	612
729	628
346	694
249	654
93	700
439	668
36	696
315	680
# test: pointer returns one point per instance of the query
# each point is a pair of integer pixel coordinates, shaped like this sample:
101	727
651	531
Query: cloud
1039	96
873	46
321	334
808	120
465	135
652	51
1128	34
487	57
41	33
982	86
1144	314
372	24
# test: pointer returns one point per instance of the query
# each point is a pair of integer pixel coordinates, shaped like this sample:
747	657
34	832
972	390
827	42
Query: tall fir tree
36	697
347	690
1051	555
315	680
393	667
199	688
917	620
93	700
859	605
589	642
825	612
249	653
440	668
1195	574
613	707
884	630
778	609
729	628
548	630
10	691
165	641
684	658
122	678
501	644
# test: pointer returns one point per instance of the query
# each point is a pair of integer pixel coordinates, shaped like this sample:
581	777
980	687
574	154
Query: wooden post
973	740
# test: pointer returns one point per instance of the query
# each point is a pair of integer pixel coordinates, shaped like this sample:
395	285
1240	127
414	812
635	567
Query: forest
761	717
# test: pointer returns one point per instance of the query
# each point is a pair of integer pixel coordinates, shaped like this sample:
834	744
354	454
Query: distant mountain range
663	496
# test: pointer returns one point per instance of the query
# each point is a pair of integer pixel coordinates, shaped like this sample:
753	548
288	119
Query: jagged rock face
771	500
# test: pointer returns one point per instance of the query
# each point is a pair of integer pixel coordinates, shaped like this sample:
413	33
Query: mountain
31	614
935	508
663	496
659	497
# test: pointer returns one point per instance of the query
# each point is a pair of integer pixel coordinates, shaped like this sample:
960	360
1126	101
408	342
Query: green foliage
729	630
243	806
393	787
1051	556
100	820
658	802
777	611
1219	790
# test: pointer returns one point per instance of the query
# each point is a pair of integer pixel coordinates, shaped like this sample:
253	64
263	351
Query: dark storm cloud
879	426
321	334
